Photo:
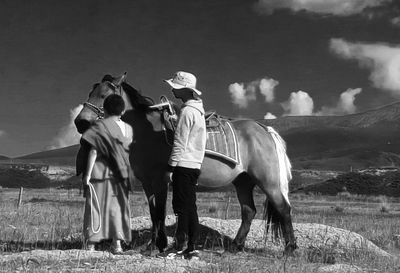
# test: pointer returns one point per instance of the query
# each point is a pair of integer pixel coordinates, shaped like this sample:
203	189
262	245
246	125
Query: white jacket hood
197	104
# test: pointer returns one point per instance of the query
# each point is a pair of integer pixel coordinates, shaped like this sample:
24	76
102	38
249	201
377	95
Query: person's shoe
188	253
117	250
194	254
90	247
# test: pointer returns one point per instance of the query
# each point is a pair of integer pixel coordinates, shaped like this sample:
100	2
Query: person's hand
168	177
86	180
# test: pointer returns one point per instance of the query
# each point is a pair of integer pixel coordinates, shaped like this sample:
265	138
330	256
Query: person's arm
185	124
90	164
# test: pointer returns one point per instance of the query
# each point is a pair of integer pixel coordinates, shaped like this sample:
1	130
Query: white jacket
190	136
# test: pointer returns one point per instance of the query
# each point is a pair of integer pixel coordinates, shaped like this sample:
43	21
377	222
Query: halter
98	110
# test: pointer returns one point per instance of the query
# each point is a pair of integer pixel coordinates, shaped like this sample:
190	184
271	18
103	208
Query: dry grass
50	219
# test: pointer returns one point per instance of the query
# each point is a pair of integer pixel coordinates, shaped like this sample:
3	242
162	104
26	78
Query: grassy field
51	219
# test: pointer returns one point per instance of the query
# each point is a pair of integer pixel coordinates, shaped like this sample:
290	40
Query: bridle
99	110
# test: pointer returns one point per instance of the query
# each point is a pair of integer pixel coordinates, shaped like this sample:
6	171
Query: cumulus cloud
395	21
243	93
267	87
269	116
298	104
344	106
382	60
240	96
67	135
328	7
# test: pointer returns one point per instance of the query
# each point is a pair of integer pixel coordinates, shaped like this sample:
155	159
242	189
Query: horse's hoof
149	252
290	249
235	248
161	250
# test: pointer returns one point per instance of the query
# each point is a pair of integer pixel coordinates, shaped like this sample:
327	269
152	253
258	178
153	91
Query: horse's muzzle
81	125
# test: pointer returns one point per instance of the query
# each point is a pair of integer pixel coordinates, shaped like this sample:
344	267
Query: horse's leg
157	206
244	190
279	213
160	211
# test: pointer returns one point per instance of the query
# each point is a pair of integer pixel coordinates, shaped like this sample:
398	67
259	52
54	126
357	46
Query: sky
254	59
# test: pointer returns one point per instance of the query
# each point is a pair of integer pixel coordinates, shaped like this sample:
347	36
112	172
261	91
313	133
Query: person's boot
91	246
116	248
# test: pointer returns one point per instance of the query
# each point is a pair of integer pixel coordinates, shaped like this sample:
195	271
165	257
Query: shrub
339	209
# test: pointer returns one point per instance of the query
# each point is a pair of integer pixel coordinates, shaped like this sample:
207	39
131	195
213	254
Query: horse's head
168	113
93	107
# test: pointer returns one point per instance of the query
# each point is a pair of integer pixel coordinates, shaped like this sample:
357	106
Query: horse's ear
119	80
123	77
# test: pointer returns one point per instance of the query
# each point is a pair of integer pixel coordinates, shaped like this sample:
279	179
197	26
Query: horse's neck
128	104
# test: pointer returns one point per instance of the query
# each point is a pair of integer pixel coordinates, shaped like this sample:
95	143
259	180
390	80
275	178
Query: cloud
344	106
240	96
269	116
328	7
298	104
267	87
301	104
382	60
243	93
2	133
67	135
395	21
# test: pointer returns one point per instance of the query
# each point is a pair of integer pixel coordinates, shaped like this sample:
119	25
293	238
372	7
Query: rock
308	235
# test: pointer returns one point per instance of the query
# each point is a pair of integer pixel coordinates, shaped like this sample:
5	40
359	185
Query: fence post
227	207
21	190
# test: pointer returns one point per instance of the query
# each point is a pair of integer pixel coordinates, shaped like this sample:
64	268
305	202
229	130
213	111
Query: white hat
183	79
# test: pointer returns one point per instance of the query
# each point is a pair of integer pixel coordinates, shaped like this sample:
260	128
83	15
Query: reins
94	194
168	114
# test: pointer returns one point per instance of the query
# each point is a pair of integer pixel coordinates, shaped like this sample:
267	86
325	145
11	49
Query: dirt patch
90	261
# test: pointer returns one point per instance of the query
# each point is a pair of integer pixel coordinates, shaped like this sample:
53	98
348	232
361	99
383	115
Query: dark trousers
184	205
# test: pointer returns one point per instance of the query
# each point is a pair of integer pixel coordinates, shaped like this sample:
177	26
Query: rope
93	194
166	136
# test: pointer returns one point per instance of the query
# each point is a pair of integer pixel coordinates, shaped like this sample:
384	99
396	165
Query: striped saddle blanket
221	139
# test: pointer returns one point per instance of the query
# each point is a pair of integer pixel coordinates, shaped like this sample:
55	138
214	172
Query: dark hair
114	105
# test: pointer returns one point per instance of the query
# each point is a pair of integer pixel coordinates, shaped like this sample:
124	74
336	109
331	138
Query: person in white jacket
185	161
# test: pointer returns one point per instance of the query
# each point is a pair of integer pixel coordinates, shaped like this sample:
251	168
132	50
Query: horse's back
254	148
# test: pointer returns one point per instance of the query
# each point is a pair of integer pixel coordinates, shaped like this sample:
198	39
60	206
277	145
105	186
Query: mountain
367	139
3	157
62	156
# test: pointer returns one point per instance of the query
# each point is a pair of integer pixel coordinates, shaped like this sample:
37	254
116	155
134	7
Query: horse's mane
138	101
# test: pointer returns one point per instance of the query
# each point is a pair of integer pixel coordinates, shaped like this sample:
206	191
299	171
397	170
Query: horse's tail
285	173
274	220
271	214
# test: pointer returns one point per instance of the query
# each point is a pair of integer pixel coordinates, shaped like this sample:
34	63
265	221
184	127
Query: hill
386	183
357	141
380	117
339	142
63	156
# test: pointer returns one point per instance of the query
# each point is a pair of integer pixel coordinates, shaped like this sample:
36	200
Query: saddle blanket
221	140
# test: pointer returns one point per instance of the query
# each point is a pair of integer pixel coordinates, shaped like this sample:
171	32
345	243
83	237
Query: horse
263	162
